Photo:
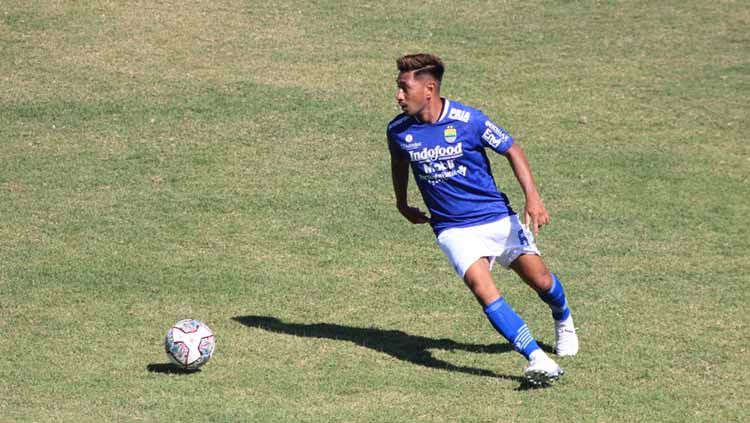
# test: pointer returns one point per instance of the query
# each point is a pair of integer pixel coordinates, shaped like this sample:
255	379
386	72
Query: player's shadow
397	344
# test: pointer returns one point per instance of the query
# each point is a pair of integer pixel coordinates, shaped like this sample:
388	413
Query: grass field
226	161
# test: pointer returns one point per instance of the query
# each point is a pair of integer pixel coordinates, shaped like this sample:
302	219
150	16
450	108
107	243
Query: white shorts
503	241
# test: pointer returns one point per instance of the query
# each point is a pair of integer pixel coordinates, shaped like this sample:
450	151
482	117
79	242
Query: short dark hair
422	63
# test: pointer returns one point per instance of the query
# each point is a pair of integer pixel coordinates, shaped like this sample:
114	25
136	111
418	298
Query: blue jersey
450	165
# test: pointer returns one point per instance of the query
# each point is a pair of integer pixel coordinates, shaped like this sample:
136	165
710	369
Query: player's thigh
479	280
533	271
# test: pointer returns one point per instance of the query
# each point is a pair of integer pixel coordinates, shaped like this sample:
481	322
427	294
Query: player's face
412	94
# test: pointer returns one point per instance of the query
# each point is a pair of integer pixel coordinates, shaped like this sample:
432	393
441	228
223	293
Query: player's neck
431	114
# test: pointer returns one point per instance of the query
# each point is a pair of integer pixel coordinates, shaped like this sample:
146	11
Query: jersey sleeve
393	147
492	136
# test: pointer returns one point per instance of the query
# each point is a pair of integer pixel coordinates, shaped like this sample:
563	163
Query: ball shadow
170	369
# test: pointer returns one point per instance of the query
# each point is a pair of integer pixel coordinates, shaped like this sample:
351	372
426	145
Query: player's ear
431	87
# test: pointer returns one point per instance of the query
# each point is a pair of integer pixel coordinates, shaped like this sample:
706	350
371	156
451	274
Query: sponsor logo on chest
438	152
410	144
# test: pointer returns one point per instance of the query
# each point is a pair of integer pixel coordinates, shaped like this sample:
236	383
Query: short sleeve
393	146
493	136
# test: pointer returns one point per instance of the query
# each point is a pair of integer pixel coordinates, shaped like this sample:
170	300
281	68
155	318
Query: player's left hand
535	214
414	215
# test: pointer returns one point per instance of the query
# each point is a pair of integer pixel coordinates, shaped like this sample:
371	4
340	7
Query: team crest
450	134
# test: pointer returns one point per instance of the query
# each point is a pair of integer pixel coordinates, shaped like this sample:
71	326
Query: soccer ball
189	343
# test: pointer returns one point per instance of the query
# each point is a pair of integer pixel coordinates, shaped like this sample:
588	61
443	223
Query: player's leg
500	314
479	280
508	323
532	270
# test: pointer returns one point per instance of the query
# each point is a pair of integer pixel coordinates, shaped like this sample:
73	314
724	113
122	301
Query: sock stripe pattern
523	338
510	325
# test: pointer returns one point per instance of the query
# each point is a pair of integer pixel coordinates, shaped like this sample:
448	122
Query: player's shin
510	325
556	300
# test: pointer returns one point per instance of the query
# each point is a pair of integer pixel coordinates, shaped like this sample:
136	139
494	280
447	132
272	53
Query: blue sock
555	298
506	321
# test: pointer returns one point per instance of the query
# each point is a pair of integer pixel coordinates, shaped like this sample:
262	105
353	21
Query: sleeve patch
495	136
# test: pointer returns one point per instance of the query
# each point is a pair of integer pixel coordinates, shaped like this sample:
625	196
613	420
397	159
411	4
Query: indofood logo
437	153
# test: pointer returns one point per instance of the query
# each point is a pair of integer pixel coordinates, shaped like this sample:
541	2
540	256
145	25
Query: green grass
226	161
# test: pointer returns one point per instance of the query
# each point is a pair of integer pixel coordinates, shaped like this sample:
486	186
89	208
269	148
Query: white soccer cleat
542	369
566	339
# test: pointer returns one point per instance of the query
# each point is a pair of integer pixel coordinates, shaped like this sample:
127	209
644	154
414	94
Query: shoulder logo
450	134
494	135
459	114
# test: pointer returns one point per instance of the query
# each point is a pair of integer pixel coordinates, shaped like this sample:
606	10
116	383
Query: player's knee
533	271
544	280
540	279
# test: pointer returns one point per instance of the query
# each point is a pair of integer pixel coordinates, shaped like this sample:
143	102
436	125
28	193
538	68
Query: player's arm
400	176
535	214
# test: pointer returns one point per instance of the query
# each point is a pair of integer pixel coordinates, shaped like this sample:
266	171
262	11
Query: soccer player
444	143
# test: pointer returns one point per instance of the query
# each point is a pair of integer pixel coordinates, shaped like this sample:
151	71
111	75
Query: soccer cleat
542	369
566	339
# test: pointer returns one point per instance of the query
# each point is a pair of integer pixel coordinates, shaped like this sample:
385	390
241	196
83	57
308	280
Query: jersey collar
446	106
443	113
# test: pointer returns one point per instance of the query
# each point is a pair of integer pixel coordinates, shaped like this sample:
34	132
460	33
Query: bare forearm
400	177
535	214
521	168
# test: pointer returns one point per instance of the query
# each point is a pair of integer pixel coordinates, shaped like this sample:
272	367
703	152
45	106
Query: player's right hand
414	215
536	214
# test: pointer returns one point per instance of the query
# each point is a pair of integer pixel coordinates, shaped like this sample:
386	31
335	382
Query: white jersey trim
446	107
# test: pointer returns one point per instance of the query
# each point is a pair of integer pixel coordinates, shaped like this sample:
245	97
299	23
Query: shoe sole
540	377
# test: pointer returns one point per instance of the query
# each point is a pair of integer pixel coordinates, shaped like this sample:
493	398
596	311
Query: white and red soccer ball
189	343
